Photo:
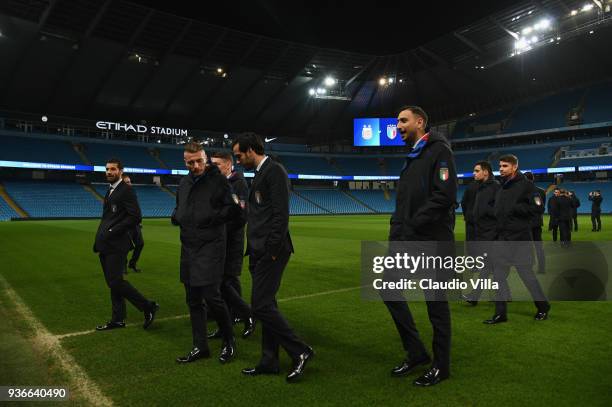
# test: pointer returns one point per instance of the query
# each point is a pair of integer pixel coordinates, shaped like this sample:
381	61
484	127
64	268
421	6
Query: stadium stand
48	199
332	200
300	206
16	148
131	156
597	106
6	212
307	165
376	199
153	201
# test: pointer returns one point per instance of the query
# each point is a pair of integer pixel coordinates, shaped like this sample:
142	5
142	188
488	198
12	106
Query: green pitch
50	265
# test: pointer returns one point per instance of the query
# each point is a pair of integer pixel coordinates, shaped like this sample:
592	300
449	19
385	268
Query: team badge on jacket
537	200
444	174
258	197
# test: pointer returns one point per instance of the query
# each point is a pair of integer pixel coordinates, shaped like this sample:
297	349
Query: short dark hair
249	140
224	155
416	110
529	175
485	165
193	147
509	158
115	161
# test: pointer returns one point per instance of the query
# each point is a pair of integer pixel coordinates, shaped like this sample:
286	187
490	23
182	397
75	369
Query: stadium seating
131	156
48	199
376	199
333	200
14	148
6	212
300	206
307	165
357	165
477	126
547	113
154	202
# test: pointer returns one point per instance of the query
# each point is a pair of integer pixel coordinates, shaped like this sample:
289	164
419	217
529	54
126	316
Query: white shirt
261	163
114	186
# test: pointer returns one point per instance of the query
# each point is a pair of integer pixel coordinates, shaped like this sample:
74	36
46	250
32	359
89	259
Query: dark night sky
382	27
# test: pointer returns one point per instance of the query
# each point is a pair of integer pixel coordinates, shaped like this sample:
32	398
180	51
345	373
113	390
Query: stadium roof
125	61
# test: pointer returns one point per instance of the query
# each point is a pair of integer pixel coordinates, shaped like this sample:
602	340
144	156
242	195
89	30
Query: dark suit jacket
268	217
120	215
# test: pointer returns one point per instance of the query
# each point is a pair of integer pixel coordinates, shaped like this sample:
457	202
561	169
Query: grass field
49	265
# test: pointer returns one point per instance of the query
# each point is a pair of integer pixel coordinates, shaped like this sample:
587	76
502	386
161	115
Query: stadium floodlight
573	12
44	119
321	91
226	136
521	44
526	30
587	7
311	92
329	81
544	23
534	39
382	81
390	80
219	70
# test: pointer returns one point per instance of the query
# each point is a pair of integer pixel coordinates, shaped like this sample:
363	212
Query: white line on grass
297	297
48	344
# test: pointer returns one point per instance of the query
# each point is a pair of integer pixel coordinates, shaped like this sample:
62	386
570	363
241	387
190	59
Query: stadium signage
141	129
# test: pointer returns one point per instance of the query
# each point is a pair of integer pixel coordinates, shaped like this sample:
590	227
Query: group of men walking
213	205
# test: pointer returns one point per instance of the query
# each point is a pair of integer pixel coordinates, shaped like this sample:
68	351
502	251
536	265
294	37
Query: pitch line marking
49	344
297	297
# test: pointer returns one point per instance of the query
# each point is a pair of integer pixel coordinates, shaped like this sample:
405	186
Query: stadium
84	82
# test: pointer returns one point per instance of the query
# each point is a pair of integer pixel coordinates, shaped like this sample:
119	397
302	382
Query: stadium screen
376	132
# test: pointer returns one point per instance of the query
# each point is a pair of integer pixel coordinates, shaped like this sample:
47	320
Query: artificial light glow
382	81
219	70
587	7
574	12
390	80
329	81
311	92
534	39
527	30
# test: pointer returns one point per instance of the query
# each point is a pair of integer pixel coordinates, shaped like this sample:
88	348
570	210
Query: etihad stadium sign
141	129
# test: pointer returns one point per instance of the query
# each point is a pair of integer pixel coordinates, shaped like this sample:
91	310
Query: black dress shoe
110	325
408	366
249	327
542	314
216	334
227	351
497	318
149	315
469	300
431	377
256	371
299	365
195	354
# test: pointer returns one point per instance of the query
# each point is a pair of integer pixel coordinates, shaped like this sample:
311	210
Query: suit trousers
526	274
199	299
267	274
440	319
536	234
596	220
113	265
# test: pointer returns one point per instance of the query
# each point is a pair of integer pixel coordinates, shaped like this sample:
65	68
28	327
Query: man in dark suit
203	206
485	223
536	225
565	209
596	199
424	211
137	238
553	213
516	203
120	215
231	290
269	248
575	206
